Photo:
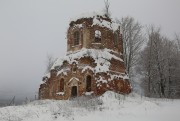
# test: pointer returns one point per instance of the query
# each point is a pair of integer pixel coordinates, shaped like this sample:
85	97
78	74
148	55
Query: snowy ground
109	107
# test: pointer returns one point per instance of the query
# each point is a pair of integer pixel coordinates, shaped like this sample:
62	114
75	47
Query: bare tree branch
49	62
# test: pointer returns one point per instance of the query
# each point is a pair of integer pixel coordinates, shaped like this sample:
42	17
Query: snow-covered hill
108	107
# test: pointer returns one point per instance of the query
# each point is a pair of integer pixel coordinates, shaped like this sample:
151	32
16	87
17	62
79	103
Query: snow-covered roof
98	20
104	23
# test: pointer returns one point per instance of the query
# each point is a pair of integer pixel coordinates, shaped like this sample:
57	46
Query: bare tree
147	57
177	38
147	61
172	69
177	64
49	63
132	42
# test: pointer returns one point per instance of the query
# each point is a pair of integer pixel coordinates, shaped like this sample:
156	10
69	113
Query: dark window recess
116	39
61	85
88	83
97	36
74	91
74	69
76	38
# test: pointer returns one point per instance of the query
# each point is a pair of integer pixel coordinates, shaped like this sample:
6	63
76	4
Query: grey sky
30	29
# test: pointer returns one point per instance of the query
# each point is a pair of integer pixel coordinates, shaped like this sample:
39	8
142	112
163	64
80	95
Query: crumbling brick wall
73	73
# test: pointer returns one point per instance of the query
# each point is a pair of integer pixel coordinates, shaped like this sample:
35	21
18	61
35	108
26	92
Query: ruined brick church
93	63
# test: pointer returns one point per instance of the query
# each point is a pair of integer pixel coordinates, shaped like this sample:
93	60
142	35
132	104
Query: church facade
93	63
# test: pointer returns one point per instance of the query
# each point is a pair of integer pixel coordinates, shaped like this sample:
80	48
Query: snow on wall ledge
100	56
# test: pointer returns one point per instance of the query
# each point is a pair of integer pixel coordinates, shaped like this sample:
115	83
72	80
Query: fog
31	29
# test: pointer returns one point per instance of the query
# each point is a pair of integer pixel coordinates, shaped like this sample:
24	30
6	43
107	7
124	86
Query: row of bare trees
160	65
152	58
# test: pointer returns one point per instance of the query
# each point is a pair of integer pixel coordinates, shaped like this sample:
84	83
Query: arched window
61	85
116	39
88	83
76	38
97	36
74	67
52	90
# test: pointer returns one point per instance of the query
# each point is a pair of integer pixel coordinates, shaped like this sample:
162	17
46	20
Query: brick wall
74	75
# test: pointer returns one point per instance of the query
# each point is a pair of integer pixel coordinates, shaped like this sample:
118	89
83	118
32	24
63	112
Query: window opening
76	38
115	39
97	36
61	85
88	83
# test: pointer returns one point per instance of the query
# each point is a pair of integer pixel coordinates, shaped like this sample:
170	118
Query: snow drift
108	107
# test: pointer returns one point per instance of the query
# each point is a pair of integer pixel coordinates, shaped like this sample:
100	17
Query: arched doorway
88	83
74	91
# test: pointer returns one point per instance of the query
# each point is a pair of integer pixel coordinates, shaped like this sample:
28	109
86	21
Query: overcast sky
31	29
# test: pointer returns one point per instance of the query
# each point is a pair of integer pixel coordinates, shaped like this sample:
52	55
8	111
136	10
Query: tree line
151	58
